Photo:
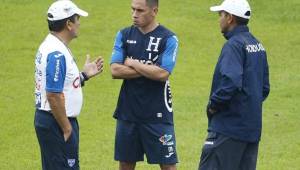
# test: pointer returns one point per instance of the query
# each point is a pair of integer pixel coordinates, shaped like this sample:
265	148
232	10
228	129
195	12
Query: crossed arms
134	69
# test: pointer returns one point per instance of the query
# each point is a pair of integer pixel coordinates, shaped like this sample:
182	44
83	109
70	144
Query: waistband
50	114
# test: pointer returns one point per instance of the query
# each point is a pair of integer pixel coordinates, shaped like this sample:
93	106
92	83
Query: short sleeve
170	54
55	72
118	51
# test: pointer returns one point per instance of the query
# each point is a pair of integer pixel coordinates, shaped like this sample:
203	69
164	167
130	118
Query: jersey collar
236	30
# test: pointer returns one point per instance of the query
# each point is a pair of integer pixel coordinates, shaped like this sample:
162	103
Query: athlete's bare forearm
57	105
150	71
120	71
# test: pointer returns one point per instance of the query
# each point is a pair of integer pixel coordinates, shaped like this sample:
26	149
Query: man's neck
62	36
149	27
231	27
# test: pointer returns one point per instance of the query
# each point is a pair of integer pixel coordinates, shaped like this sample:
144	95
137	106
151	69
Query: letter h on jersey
152	43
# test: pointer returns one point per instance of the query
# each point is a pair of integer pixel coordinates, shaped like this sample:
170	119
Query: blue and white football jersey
143	99
57	72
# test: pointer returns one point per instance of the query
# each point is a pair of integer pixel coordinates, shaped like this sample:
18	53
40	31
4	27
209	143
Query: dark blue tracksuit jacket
240	85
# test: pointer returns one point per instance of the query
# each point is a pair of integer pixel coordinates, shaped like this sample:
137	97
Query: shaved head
152	3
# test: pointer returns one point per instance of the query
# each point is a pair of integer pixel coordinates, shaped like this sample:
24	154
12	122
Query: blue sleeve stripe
170	54
118	52
55	72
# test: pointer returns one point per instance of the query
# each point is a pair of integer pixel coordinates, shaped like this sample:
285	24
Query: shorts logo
170	154
71	162
170	149
166	140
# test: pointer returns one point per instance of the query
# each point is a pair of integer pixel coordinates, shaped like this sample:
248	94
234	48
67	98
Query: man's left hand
94	68
130	62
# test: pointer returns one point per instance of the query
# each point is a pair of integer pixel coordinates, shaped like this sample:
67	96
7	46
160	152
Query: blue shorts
225	153
56	153
156	140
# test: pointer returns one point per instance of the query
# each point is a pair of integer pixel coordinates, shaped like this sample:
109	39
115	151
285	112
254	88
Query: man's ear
68	25
230	18
155	11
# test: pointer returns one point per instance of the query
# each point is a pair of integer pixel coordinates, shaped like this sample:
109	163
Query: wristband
84	76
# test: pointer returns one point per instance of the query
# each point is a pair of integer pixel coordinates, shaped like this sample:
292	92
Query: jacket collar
236	30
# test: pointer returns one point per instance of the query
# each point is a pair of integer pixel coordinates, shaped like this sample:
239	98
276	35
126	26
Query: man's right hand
210	112
57	105
67	132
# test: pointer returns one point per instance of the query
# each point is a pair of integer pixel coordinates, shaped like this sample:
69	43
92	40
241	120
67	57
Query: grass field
23	27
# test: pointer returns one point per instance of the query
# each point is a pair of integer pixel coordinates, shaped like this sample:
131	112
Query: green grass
23	27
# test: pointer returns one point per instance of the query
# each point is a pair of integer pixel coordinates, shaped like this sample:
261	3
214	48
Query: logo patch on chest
131	41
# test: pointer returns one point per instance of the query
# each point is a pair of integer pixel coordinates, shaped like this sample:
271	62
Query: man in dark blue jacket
240	85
